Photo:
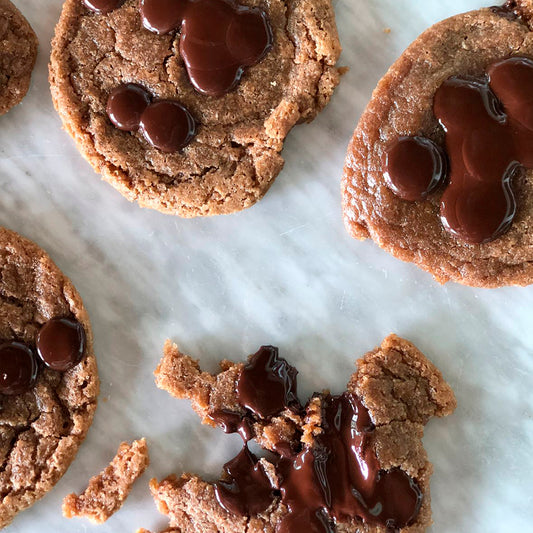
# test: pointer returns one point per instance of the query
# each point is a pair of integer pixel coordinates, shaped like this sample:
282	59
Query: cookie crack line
259	399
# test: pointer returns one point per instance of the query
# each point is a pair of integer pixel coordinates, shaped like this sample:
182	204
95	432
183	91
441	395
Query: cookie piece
107	491
43	424
216	400
378	423
235	155
402	105
18	53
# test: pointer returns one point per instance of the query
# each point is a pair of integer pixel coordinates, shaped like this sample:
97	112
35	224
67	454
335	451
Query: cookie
107	491
439	170
18	53
48	375
366	441
178	129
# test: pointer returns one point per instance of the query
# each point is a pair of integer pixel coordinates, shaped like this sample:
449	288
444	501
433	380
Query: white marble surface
284	272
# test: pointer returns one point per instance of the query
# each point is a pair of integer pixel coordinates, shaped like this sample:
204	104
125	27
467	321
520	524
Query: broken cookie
353	462
107	491
440	169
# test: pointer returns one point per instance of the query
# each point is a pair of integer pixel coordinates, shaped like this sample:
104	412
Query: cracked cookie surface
402	105
235	156
400	388
18	52
40	430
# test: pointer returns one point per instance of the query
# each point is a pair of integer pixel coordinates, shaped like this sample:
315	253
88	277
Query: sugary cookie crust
236	155
402	104
41	430
18	52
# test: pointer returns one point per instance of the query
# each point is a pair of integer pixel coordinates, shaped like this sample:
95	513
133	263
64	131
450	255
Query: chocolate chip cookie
48	375
18	52
184	106
440	169
353	462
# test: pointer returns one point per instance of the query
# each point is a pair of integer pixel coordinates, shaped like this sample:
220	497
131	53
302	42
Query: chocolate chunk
167	125
487	139
18	368
339	476
267	384
102	6
414	167
248	490
126	104
218	38
61	343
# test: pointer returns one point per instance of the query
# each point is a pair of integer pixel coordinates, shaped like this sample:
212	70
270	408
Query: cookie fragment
236	154
42	428
389	399
18	52
108	490
402	105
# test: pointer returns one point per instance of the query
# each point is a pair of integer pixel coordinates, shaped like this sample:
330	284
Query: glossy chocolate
267	384
61	343
218	38
508	10
489	135
167	125
102	6
339	478
231	422
414	167
126	104
18	368
246	491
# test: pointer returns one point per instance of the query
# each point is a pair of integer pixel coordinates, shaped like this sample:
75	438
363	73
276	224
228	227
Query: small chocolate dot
18	368
102	6
126	104
61	343
167	125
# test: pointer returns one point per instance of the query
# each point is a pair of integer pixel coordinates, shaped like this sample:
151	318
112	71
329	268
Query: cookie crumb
386	30
108	490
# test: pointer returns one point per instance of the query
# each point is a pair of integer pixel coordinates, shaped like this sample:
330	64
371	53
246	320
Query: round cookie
18	51
235	155
402	105
42	428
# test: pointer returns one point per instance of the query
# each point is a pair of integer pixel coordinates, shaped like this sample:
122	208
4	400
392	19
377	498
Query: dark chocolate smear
487	140
61	343
165	124
18	368
414	167
218	38
247	491
231	422
102	6
339	477
267	384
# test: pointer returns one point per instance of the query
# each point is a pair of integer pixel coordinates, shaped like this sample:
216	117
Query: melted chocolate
218	38
487	140
508	10
247	490
102	6
165	124
231	422
267	384
18	368
414	167
339	478
126	104
61	343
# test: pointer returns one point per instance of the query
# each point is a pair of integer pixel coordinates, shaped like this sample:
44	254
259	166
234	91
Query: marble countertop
283	272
